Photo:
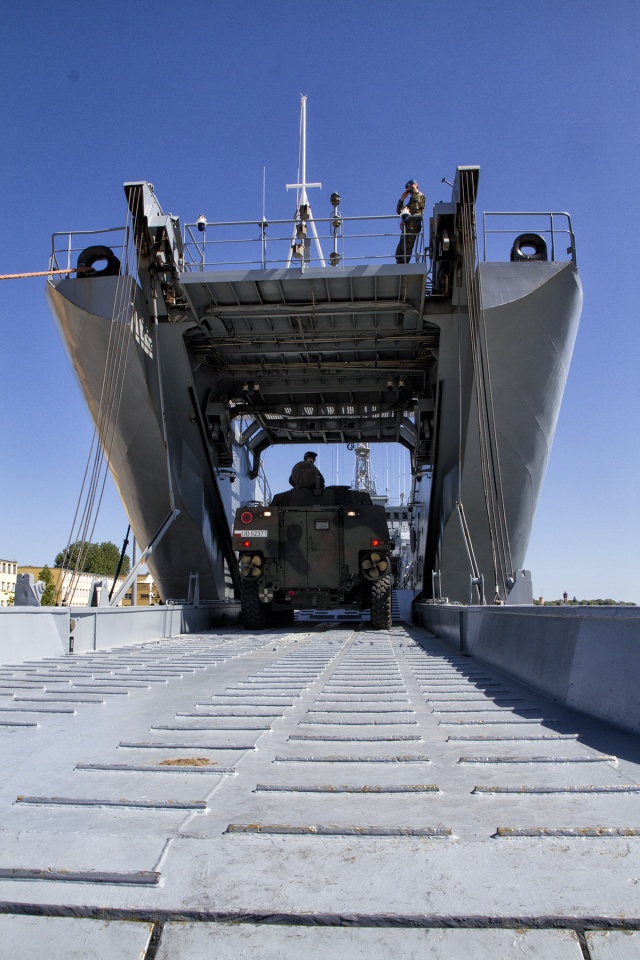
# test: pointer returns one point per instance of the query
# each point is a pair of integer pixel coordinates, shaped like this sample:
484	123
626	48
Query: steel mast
303	215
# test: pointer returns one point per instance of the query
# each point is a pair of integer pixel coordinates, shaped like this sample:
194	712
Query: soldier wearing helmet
305	475
411	208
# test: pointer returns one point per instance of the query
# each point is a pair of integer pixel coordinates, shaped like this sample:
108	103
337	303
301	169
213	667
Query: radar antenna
300	243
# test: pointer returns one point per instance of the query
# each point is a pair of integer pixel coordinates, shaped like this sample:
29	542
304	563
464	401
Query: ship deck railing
357	241
264	245
66	246
499	232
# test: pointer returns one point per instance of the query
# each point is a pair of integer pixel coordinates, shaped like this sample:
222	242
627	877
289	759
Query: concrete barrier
587	658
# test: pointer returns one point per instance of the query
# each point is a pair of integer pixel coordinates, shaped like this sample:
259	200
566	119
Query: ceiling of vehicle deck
324	285
320	355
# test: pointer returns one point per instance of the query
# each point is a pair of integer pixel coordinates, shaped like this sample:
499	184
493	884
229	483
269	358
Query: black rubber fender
534	240
92	255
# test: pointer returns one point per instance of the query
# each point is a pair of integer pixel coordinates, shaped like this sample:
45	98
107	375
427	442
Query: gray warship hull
215	365
532	311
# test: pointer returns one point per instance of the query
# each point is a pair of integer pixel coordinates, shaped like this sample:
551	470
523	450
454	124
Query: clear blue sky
197	97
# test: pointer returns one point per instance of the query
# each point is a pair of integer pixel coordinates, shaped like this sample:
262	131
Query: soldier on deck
411	211
305	475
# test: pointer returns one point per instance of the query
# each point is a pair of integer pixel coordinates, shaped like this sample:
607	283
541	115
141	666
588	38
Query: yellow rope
41	273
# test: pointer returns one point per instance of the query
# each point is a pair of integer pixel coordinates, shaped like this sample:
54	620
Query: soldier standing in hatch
411	219
305	475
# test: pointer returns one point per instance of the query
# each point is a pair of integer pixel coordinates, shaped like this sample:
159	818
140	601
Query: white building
81	582
8	573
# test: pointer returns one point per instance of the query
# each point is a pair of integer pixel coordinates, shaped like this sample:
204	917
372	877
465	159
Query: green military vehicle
313	549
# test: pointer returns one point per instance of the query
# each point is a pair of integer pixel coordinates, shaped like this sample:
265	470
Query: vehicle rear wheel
253	613
381	604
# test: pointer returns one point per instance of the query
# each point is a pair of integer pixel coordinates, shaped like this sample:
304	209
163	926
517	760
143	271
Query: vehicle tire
381	604
529	241
98	254
253	613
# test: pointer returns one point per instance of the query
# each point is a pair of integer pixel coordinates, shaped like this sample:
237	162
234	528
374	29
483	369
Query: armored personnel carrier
323	549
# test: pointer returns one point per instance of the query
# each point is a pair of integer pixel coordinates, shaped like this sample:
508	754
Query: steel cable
94	480
488	439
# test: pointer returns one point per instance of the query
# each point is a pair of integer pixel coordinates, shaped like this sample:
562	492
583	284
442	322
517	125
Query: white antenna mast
303	211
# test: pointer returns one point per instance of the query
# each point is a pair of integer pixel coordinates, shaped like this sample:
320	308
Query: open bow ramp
318	791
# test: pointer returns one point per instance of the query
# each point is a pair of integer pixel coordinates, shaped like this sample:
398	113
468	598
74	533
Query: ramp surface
323	791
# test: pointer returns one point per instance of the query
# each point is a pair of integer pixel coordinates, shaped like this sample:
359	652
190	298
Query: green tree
50	592
99	558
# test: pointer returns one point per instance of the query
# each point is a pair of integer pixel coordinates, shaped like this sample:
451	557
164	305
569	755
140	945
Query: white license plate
247	534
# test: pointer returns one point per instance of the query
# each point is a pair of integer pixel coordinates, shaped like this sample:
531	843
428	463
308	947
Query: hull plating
147	473
531	312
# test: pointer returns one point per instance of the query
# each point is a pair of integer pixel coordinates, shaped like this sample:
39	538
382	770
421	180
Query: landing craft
198	347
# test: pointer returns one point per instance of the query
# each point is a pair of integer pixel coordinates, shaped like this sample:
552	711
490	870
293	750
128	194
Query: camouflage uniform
411	227
305	476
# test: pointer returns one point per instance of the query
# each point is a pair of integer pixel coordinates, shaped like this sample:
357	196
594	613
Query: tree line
100	559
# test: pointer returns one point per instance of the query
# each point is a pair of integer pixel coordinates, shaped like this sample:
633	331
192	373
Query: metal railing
545	224
66	247
346	240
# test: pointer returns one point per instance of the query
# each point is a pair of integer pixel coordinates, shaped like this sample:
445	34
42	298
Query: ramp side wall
585	658
28	633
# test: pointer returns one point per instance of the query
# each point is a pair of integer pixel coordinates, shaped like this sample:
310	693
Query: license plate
248	534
